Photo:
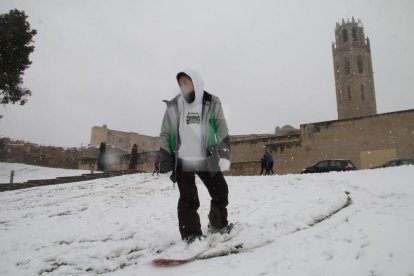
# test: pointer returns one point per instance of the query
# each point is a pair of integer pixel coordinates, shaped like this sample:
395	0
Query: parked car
335	165
397	162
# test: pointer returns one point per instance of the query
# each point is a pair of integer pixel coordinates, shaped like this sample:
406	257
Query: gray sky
270	62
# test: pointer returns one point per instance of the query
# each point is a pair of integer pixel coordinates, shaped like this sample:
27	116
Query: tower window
340	96
354	34
345	35
362	92
347	66
337	70
349	94
360	65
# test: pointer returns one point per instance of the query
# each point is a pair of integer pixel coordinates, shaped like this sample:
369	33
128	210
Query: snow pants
188	203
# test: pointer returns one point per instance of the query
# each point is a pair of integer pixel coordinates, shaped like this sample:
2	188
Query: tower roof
348	22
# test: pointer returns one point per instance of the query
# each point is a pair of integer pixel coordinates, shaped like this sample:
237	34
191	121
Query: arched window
340	96
362	92
354	34
360	65
345	35
337	70
347	66
349	94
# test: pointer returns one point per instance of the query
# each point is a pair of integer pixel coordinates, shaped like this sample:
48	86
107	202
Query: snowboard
215	245
207	254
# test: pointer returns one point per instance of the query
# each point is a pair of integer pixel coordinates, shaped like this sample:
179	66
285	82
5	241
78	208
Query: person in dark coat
269	162
156	165
263	165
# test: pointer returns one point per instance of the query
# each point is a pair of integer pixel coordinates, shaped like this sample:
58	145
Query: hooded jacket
214	131
191	149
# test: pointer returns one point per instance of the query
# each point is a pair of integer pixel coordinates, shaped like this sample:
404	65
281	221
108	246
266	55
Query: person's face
186	85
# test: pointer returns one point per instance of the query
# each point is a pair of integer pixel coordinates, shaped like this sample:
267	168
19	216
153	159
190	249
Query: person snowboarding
194	140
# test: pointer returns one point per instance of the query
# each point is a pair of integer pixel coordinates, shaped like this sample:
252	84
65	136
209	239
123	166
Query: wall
33	154
245	168
246	154
367	141
145	162
99	135
123	140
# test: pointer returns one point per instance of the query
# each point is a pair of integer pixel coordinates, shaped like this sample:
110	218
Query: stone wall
253	149
33	154
56	157
145	162
123	140
367	141
245	168
246	154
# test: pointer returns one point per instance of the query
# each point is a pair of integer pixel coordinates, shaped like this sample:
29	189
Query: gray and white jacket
214	131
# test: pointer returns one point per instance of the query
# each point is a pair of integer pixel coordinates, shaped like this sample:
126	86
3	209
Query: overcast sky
113	62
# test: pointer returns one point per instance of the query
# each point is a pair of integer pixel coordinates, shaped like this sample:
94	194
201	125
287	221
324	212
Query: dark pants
269	168
264	169
188	204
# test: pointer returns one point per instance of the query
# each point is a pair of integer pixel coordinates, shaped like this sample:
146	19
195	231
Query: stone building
286	130
123	140
33	154
354	77
119	145
367	141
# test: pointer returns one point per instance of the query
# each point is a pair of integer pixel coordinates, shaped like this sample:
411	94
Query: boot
192	238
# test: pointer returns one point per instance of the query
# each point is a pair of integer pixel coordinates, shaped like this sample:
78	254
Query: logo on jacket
193	118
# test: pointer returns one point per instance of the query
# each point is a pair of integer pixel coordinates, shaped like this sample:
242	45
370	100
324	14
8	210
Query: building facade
123	140
367	141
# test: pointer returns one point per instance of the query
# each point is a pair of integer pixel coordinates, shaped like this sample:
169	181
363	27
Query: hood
197	82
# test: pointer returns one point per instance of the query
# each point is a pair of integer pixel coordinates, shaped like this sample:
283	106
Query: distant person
269	162
156	165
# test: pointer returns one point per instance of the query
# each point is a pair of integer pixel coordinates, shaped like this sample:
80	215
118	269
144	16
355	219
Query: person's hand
224	164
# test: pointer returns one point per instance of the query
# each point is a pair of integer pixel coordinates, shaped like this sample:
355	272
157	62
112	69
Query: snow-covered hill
117	226
23	172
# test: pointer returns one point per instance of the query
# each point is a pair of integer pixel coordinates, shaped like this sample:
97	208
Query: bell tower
354	78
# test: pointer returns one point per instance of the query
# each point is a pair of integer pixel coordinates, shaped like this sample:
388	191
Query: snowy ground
117	226
24	172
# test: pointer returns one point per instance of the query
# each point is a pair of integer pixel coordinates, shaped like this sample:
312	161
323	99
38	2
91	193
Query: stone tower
354	79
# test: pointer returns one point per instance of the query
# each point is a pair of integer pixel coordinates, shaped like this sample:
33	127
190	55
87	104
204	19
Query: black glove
172	177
